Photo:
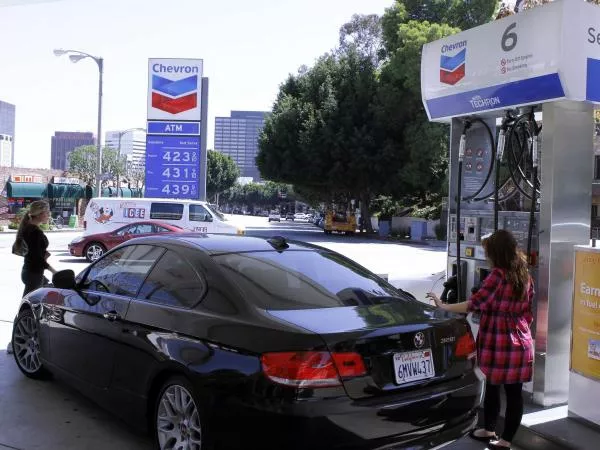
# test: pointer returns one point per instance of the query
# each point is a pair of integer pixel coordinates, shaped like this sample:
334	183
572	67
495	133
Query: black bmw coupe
241	342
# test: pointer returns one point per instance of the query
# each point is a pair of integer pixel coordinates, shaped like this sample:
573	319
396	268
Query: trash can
384	228
418	230
73	221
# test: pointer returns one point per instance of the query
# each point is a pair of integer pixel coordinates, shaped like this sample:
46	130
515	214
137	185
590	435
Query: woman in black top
35	262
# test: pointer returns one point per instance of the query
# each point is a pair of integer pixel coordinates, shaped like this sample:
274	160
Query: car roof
230	243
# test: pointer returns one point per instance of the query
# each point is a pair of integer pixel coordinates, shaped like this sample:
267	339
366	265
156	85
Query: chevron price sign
174	90
176	132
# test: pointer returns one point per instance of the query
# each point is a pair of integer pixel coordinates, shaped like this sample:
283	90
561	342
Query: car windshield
305	279
213	209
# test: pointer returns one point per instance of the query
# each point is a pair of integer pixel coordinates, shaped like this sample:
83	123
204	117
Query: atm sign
134	213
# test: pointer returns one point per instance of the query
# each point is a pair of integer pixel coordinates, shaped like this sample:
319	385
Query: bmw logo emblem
419	340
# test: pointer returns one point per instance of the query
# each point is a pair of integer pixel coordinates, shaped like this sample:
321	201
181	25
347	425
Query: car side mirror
208	218
64	279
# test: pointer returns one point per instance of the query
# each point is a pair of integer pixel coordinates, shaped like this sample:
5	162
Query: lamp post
121	134
75	56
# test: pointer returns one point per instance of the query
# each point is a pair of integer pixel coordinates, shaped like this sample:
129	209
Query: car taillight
312	369
465	346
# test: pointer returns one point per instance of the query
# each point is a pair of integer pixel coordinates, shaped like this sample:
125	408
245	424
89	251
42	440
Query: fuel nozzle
500	146
534	152
462	146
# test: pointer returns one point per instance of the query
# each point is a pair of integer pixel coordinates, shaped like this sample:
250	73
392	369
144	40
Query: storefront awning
26	190
65	191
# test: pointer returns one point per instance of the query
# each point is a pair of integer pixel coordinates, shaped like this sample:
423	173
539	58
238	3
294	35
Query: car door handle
111	316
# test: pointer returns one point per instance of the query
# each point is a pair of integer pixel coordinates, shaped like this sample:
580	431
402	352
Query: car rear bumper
422	422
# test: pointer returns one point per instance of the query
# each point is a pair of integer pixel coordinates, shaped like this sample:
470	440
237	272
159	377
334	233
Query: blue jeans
32	280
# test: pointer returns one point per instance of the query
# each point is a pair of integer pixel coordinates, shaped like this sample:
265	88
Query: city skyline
248	50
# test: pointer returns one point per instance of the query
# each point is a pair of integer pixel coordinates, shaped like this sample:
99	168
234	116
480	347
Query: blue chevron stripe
451	63
174	88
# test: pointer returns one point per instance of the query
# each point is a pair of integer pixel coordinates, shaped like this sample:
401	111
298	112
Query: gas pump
498	86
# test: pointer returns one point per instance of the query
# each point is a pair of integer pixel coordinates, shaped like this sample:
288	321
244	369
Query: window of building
597	167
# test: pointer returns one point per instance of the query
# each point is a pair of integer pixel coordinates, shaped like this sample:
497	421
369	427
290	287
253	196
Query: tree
222	172
83	162
363	33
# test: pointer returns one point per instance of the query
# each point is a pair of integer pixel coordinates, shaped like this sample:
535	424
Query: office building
133	145
237	137
63	143
7	134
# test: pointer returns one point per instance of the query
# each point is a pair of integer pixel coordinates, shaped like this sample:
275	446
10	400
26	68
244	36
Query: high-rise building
237	136
63	143
7	134
133	145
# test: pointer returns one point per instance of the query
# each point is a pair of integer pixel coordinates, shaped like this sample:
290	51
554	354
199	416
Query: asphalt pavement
52	416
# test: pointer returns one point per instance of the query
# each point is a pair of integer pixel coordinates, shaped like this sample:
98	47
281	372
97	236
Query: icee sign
175	140
174	89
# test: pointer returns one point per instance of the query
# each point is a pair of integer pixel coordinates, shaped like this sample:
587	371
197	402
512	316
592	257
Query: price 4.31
176	172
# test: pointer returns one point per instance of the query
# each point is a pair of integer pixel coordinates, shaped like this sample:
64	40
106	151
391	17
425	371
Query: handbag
20	247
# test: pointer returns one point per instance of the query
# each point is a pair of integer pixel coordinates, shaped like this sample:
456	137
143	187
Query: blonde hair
35	209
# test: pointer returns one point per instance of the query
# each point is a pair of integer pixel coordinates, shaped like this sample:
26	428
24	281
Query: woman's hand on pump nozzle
435	298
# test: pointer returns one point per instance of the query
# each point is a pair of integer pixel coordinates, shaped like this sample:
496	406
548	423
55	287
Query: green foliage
222	173
44	226
1	228
264	195
83	162
429	212
13	226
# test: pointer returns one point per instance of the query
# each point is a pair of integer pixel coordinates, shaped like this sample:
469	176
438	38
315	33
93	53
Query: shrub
440	231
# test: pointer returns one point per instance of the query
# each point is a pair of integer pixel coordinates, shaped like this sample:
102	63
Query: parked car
246	342
289	216
93	246
274	216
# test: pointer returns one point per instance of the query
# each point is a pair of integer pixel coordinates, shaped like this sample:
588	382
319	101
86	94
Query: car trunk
404	344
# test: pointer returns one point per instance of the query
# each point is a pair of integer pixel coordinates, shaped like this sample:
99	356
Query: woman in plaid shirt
504	343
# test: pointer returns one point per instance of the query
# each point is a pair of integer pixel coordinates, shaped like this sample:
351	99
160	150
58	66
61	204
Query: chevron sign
452	63
175	89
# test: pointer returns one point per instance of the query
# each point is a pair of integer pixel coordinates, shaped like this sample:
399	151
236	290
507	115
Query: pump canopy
551	52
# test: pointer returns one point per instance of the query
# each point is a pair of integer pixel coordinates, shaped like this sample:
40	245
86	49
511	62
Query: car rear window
304	279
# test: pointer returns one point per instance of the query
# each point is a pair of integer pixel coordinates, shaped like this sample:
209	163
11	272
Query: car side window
173	282
199	213
159	229
142	228
125	230
122	272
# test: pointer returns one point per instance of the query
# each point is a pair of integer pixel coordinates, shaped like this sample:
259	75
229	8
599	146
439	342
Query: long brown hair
502	250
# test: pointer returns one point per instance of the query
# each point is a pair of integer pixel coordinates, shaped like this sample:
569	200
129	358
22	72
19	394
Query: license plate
413	366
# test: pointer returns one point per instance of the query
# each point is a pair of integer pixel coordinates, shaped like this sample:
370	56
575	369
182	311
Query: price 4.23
176	172
176	156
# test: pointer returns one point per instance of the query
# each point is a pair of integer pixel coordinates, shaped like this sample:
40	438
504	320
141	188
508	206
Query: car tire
188	426
26	346
93	251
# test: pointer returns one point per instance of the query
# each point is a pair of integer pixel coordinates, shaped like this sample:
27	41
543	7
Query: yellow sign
585	351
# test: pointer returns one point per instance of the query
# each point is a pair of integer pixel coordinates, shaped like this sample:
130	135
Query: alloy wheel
26	344
178	420
94	252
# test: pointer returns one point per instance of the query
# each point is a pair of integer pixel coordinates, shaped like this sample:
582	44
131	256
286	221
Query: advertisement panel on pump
462	74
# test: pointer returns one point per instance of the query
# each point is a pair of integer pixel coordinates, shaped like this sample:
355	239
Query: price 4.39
176	189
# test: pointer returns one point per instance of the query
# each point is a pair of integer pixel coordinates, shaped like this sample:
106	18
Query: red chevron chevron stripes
174	105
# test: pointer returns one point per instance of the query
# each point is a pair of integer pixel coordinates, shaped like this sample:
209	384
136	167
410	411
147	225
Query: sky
248	48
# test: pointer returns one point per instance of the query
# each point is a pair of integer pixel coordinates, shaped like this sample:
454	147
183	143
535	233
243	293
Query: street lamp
121	134
75	56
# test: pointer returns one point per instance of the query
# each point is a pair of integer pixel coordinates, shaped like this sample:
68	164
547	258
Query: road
51	416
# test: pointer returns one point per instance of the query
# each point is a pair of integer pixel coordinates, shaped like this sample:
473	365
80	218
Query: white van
109	213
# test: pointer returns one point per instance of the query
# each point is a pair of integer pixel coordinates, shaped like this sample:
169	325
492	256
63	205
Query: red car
94	246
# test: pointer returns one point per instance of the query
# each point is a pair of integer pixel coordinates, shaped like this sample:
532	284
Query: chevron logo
174	96
452	68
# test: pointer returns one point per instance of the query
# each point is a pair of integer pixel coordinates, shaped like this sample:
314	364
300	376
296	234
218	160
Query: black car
241	342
